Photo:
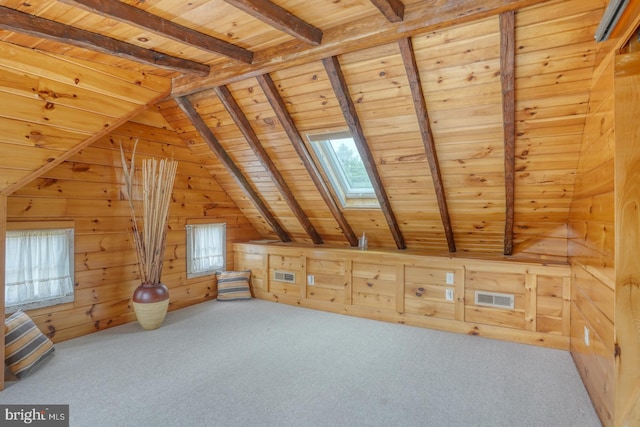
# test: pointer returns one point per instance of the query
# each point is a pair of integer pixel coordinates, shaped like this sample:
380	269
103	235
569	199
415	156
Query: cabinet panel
374	285
327	280
425	292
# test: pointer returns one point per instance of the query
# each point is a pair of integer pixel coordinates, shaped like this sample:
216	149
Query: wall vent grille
493	299
284	276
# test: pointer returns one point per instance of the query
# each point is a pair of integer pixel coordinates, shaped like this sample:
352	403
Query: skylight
338	157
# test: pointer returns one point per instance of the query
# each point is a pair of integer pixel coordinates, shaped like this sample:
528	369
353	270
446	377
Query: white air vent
284	276
493	299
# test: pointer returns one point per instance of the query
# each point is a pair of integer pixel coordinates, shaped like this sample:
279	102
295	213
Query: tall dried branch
157	184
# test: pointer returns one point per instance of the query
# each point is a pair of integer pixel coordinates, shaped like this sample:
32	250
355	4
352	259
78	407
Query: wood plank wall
86	189
600	250
627	191
410	288
591	248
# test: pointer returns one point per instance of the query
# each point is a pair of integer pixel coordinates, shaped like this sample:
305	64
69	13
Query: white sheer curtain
206	246
38	267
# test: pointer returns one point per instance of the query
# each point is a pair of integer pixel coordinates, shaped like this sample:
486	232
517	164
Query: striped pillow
24	345
233	285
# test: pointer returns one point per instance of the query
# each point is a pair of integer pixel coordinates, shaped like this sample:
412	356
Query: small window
206	249
38	268
341	162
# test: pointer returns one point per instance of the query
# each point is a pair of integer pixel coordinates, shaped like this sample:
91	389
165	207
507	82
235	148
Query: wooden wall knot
369	284
90	311
420	292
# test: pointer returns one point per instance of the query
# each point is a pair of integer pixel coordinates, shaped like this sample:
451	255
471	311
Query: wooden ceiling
469	115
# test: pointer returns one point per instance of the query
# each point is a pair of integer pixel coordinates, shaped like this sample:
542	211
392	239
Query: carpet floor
259	363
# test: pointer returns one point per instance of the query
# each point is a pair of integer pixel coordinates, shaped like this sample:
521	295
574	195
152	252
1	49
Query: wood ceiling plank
60	94
20	22
279	18
46	113
341	90
81	74
163	27
34	134
459	37
280	109
231	167
252	139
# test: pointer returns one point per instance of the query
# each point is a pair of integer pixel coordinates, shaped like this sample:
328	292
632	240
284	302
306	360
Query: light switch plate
587	340
448	294
449	278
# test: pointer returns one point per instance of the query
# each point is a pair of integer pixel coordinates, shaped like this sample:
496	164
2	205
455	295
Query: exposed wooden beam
278	105
507	77
233	169
367	32
393	10
13	20
279	18
252	139
420	105
341	89
124	12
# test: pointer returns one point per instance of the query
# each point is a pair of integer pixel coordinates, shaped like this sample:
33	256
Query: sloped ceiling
470	113
52	106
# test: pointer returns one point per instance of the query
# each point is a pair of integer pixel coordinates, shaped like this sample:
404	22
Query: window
206	249
38	268
343	167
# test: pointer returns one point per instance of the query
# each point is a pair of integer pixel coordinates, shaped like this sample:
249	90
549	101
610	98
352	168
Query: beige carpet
258	363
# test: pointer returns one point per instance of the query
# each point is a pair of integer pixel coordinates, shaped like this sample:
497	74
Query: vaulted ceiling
469	115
